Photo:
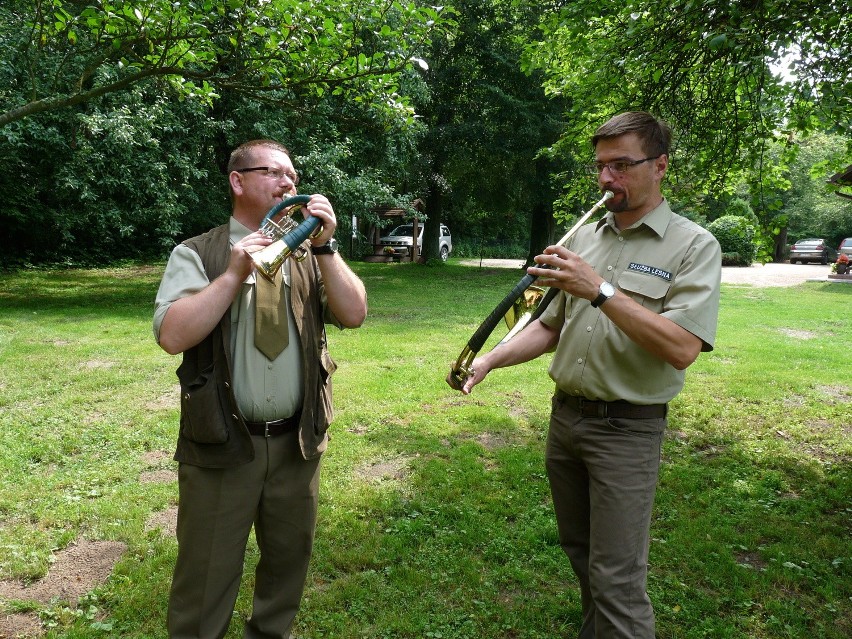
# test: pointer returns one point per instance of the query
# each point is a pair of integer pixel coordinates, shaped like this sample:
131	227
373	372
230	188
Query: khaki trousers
277	493
603	475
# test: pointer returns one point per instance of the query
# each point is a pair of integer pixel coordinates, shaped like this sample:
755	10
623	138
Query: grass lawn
435	517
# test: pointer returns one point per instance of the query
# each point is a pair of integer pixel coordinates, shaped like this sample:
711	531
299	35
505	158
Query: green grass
435	516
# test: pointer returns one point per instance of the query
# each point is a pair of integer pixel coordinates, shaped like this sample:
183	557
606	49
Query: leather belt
273	428
619	408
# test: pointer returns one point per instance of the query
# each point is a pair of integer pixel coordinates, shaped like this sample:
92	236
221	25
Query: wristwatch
605	291
329	248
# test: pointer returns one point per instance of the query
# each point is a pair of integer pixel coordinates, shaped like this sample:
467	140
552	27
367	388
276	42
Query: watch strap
600	299
603	297
329	248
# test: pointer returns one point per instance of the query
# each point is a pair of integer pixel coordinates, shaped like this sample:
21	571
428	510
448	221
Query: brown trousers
277	493
603	477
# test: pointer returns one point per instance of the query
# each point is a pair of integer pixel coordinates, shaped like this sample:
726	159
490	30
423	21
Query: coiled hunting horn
287	236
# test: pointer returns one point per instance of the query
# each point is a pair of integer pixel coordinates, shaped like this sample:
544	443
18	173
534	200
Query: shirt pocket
647	290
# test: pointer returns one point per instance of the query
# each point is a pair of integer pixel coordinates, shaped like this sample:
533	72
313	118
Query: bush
736	237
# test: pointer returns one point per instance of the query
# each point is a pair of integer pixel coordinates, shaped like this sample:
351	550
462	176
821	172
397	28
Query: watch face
329	248
607	289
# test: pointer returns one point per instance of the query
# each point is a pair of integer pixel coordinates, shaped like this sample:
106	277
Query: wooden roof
844	178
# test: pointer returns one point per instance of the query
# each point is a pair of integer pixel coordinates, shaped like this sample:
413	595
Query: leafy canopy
59	53
712	69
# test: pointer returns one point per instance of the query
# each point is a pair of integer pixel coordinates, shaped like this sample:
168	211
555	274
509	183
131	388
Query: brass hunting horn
524	295
287	234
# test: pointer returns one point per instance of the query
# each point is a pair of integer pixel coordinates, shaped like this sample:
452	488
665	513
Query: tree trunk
435	212
542	223
780	246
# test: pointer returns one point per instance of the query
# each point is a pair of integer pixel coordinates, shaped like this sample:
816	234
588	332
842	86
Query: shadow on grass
121	290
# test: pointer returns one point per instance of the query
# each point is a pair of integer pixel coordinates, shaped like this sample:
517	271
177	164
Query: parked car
400	240
845	247
812	250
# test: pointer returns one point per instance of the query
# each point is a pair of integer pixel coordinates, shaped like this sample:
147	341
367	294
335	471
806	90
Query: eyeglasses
616	166
274	173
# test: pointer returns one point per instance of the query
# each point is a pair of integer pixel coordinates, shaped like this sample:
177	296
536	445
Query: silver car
811	250
845	247
399	240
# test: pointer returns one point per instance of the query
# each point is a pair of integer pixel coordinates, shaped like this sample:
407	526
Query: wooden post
415	251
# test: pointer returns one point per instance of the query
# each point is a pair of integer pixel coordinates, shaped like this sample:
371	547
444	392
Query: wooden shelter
844	178
398	216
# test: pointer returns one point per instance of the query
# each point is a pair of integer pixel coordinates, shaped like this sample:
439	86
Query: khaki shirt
265	390
665	263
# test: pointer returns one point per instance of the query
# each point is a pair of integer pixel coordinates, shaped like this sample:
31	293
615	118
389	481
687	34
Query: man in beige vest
638	302
255	400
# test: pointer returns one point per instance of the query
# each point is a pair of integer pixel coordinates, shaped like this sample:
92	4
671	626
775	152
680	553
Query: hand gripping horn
461	370
288	236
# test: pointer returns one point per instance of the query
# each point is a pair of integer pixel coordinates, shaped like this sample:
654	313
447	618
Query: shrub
736	237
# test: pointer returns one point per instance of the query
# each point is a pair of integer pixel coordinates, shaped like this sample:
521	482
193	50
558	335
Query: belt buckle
266	429
592	409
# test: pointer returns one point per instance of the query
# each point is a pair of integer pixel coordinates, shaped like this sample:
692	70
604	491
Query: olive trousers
277	493
603	475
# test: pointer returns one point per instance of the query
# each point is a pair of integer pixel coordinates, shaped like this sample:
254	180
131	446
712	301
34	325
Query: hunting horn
287	236
461	370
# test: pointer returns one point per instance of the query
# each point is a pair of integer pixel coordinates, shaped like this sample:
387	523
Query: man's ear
236	181
661	164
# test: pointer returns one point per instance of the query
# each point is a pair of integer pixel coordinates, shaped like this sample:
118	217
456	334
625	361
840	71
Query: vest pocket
202	408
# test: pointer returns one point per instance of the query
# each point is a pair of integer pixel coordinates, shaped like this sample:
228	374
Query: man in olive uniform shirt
638	302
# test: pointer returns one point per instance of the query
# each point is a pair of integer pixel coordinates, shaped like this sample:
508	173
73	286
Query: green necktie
271	329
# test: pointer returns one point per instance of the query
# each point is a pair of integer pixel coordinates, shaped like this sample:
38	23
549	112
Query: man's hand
569	272
321	208
478	369
240	264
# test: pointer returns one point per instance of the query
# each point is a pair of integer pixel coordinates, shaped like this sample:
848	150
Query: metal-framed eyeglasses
618	167
273	172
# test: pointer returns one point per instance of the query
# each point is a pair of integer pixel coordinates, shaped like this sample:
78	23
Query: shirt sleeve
184	276
554	315
694	298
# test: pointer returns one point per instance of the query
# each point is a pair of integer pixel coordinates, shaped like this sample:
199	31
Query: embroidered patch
650	270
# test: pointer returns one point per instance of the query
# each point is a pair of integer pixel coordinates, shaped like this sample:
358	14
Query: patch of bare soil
388	469
83	566
165	521
19	626
76	570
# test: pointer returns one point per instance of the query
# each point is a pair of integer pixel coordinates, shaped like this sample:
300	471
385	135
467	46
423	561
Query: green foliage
66	53
487	123
707	68
736	238
114	147
813	208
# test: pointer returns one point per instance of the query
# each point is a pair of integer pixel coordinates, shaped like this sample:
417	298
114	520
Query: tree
61	53
712	69
119	116
487	124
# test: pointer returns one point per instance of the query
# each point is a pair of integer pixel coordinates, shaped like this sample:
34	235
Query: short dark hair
242	156
655	134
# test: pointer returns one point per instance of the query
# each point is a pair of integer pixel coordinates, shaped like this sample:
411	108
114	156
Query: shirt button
609	268
588	329
580	360
620	238
268	398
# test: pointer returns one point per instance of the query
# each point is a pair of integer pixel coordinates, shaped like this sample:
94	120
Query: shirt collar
657	219
236	230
